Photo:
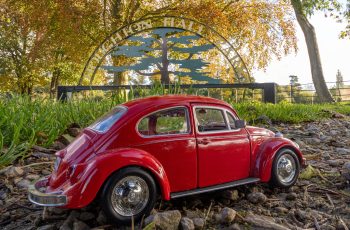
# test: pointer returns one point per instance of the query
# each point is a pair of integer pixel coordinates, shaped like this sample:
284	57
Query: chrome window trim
165	135
224	110
234	117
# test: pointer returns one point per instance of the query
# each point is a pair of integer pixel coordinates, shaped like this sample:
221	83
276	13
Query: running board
214	188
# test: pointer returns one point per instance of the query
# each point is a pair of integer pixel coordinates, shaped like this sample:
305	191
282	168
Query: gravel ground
319	200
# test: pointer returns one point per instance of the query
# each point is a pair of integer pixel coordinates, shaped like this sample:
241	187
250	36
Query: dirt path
320	200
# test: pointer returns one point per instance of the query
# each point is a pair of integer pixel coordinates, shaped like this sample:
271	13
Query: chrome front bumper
37	196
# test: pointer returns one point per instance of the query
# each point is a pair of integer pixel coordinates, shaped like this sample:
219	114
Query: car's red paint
177	162
265	155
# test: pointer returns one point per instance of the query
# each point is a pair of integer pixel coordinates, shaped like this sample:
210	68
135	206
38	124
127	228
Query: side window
171	121
231	120
210	120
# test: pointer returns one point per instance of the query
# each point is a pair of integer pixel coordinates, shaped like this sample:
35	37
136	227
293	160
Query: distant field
25	122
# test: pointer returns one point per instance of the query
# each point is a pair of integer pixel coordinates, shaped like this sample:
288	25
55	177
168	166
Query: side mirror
240	124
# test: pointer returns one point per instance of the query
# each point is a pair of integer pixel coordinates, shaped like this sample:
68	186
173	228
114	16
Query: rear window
104	123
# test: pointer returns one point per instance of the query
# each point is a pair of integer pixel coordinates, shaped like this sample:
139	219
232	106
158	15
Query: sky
334	52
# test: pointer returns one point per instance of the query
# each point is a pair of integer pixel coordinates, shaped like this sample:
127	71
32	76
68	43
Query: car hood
256	131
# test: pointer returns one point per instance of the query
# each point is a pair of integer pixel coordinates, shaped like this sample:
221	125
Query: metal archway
200	29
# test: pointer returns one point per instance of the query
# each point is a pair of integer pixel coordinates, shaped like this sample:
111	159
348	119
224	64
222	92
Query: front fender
100	168
266	154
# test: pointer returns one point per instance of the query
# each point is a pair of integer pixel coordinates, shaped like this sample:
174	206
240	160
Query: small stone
326	156
65	139
281	210
342	151
74	132
14	172
101	218
335	163
165	220
327	227
256	197
230	194
86	216
3	194
79	225
338	115
291	196
186	223
312	141
198	223
191	214
47	227
23	184
68	223
45	172
345	170
263	222
32	177
227	215
302	215
333	132
234	226
217	217
57	145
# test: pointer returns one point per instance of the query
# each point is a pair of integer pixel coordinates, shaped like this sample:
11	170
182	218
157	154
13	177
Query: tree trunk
54	82
314	55
165	62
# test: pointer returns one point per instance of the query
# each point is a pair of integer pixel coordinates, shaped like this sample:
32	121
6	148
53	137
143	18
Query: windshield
105	122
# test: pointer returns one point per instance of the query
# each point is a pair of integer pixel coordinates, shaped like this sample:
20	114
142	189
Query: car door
168	136
223	150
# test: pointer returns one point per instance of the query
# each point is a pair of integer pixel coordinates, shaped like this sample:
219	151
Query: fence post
62	93
269	92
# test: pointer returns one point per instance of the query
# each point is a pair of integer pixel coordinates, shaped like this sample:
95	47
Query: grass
25	122
289	113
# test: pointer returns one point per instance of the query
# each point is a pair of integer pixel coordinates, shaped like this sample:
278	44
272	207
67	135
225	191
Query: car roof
171	100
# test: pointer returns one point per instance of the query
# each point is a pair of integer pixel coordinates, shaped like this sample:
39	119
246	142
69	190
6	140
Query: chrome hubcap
130	196
286	168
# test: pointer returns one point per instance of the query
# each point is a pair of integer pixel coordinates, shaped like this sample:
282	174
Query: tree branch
147	74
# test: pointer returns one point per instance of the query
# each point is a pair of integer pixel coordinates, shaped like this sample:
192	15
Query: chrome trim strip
45	199
166	140
214	188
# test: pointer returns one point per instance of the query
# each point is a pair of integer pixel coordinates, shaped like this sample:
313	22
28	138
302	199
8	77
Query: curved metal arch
191	21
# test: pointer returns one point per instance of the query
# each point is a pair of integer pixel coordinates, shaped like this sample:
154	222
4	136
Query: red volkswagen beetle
173	146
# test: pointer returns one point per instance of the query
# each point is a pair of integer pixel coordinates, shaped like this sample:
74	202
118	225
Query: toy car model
173	146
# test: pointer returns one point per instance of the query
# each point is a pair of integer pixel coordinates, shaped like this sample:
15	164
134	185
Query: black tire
106	195
275	180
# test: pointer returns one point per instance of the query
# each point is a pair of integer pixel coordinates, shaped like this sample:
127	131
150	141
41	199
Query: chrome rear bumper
37	196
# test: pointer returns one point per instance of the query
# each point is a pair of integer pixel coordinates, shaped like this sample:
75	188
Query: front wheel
285	169
129	193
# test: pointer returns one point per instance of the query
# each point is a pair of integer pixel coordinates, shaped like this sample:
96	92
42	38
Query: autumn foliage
46	43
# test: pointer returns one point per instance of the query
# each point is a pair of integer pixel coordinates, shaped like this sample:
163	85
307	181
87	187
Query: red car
173	146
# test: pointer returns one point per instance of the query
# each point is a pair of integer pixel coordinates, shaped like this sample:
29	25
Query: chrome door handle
203	142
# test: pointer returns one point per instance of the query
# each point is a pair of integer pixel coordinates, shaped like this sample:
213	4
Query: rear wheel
285	169
130	193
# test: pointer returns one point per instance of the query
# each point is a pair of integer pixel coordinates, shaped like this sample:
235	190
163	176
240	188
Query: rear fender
266	154
100	168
